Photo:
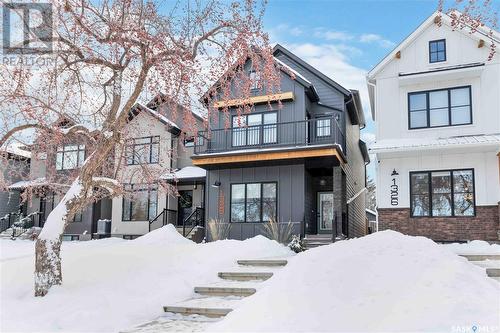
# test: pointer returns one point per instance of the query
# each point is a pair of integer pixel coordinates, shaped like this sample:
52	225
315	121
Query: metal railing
167	216
195	219
19	222
324	130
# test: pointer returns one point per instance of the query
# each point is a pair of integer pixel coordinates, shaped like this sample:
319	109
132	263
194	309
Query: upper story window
437	50
254	79
254	129
189	141
437	108
143	150
323	127
70	157
442	193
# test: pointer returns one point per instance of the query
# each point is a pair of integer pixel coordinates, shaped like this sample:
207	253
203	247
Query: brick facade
484	226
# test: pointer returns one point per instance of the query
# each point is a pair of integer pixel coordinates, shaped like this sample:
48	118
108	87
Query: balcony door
254	129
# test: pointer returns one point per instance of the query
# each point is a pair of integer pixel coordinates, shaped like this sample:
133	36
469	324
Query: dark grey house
302	162
14	164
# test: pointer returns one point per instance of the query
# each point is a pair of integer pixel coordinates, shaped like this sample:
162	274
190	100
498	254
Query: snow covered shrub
280	232
296	244
218	229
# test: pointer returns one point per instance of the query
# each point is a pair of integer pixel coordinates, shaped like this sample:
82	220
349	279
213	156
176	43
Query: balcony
319	132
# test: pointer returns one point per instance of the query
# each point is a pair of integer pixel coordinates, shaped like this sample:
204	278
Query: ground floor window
140	203
253	202
70	237
442	193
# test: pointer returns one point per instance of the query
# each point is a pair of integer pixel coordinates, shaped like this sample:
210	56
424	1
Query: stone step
263	262
244	276
493	272
480	257
207	312
225	291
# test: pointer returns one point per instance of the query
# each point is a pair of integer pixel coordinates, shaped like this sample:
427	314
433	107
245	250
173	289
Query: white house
154	140
436	103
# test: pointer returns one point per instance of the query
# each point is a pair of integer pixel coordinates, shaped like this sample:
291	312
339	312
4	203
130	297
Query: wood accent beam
286	96
480	44
268	156
398	55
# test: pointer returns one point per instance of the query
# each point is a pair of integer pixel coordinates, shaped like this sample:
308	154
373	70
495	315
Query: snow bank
384	282
164	235
474	247
110	284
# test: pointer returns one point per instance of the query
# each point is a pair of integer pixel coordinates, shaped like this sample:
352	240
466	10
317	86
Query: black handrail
164	217
324	130
197	216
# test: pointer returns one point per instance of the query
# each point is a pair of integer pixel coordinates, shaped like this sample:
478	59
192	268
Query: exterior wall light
216	184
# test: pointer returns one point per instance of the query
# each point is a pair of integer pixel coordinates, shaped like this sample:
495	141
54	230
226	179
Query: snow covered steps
207	312
481	257
245	276
493	272
263	262
224	291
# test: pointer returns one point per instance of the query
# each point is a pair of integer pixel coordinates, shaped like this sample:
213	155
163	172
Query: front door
185	206
325	212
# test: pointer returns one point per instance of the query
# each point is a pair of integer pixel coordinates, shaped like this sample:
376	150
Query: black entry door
185	206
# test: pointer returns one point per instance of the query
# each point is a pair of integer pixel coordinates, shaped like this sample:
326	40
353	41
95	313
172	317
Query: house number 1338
394	193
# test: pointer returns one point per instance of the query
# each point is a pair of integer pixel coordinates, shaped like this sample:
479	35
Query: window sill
440	128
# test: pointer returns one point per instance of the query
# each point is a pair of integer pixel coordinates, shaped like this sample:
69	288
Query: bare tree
371	193
472	16
106	55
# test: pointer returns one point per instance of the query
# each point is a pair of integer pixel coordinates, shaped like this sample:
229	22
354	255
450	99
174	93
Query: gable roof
138	108
281	49
445	19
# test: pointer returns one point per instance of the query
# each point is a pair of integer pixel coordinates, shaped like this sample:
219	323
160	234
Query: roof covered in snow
188	172
38	182
393	145
141	107
17	149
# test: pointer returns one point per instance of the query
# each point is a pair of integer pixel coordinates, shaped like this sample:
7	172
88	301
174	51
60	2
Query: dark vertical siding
327	94
355	181
290	179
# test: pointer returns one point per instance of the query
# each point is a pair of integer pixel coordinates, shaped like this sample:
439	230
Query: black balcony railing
324	130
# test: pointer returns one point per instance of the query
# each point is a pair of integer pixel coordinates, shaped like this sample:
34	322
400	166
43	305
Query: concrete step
224	291
207	312
244	276
263	262
480	257
493	272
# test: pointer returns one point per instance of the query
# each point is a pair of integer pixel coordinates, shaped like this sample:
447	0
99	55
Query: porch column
337	202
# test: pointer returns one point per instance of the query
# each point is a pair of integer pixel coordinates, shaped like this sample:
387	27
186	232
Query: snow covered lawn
113	284
384	282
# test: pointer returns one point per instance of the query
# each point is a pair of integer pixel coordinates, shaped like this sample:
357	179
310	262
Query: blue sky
345	39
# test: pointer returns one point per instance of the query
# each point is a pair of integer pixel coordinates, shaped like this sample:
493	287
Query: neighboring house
371	217
303	163
154	140
15	164
436	102
49	180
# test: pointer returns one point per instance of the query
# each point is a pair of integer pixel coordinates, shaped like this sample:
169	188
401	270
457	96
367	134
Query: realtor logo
27	28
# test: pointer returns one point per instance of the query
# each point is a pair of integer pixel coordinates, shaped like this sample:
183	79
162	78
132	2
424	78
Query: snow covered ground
385	282
474	247
113	284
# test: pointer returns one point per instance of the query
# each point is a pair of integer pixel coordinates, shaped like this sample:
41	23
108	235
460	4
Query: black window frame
428	109
244	129
437	52
62	150
130	148
254	81
78	217
245	205
452	193
329	126
143	187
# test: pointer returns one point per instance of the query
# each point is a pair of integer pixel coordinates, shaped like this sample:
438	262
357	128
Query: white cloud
332	60
333	35
377	39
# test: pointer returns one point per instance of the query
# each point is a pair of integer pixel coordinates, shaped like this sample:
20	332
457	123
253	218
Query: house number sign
394	188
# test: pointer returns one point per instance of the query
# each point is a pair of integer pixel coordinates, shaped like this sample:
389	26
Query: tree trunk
48	245
47	265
